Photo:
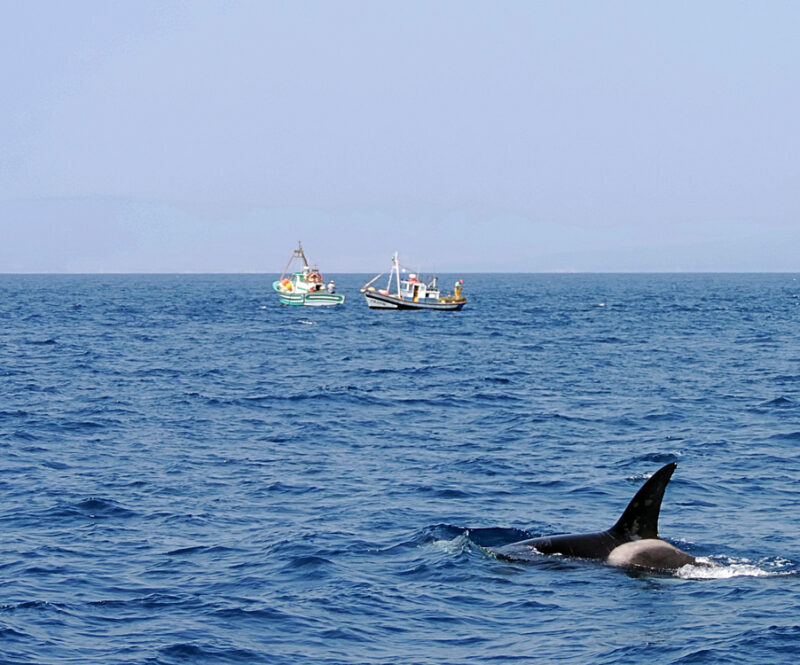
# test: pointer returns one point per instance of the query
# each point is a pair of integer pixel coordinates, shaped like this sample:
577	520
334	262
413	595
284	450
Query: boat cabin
415	290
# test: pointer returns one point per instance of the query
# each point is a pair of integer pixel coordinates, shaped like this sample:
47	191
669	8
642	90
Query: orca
632	542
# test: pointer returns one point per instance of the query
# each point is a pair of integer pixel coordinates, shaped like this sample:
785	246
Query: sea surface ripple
192	473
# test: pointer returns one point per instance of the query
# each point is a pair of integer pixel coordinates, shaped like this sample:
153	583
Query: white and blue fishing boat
305	286
411	292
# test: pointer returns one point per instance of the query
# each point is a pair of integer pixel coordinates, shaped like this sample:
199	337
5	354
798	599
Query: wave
199	549
655	458
780	403
723	568
93	508
182	652
786	436
12	635
259	614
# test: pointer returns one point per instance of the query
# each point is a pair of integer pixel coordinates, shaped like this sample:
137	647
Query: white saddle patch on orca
649	553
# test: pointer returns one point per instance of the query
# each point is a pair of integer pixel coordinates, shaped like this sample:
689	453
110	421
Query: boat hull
377	300
311	299
316	299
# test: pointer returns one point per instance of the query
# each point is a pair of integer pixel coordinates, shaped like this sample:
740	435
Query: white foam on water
732	568
306	322
457	545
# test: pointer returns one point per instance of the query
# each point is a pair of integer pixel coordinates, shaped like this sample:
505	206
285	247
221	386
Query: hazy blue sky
543	136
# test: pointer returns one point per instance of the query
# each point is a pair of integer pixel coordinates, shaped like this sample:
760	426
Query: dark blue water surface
192	473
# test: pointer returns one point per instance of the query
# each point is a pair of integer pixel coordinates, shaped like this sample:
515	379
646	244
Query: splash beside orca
632	542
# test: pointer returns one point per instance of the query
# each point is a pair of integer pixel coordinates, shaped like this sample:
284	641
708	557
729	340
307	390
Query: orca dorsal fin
640	519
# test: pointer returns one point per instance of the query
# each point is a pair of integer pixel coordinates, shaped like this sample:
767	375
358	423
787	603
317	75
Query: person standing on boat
331	287
457	288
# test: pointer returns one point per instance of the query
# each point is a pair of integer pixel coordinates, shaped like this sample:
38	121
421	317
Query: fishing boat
305	286
410	292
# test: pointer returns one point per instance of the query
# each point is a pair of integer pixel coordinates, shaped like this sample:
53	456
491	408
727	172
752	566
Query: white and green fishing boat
306	286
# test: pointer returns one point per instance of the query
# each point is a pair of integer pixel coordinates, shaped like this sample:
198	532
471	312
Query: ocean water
191	473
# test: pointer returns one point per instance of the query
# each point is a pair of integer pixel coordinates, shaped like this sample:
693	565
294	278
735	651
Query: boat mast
397	272
391	272
298	253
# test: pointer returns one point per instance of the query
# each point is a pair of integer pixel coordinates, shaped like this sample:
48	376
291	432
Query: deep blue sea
192	473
